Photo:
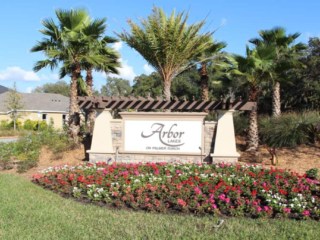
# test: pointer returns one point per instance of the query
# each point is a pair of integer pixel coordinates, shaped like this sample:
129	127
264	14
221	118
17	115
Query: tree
108	63
116	87
14	104
209	58
60	87
68	43
186	85
303	91
183	86
167	43
287	55
254	68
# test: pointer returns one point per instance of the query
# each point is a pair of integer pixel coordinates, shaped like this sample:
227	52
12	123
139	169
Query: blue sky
235	21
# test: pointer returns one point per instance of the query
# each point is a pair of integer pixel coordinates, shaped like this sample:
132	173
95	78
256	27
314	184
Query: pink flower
287	210
266	208
306	213
213	206
227	200
222	197
181	202
259	209
197	190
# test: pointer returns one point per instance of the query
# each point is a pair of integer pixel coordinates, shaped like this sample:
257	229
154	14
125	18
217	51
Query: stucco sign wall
163	132
163	136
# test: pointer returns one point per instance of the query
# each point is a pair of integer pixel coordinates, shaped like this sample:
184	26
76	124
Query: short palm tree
65	43
167	43
287	55
254	68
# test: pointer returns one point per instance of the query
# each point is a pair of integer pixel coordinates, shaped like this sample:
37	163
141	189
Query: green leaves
166	42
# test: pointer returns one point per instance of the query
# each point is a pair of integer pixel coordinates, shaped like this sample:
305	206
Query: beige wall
102	151
35	116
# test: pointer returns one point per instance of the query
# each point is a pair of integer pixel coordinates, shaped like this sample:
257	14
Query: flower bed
233	190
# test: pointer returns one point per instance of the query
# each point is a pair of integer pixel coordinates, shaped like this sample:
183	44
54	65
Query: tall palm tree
167	43
254	68
107	60
66	44
108	64
210	58
287	55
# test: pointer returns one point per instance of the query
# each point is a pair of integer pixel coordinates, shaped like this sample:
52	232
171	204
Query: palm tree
254	68
167	43
210	58
287	54
106	59
66	44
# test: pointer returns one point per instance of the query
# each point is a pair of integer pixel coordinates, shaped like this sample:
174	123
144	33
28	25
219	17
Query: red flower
37	176
254	193
181	202
81	179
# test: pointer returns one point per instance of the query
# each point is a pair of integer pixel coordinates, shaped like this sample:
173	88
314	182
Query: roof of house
40	102
3	89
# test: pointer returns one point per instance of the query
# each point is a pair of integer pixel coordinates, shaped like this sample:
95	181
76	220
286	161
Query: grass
11	133
30	212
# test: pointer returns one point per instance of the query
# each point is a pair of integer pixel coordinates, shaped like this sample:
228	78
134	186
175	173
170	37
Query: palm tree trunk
204	88
89	82
204	82
167	89
74	112
253	132
91	113
276	102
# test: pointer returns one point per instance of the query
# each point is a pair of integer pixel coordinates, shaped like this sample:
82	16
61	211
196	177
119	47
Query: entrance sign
164	136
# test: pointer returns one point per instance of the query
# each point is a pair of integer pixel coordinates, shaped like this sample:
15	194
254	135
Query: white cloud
148	69
117	46
49	77
126	71
29	89
18	74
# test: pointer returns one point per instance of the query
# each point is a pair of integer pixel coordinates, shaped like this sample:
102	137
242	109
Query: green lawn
30	212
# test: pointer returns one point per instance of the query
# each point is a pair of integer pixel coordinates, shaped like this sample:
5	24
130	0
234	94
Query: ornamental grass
215	189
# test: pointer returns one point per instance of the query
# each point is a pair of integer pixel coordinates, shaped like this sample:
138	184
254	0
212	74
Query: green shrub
11	124
5	156
288	130
42	125
241	124
30	125
35	125
27	149
4	125
312	173
24	166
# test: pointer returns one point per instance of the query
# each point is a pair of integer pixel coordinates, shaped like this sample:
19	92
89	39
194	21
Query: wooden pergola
149	104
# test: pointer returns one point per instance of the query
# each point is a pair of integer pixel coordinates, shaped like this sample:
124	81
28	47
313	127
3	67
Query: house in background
38	107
